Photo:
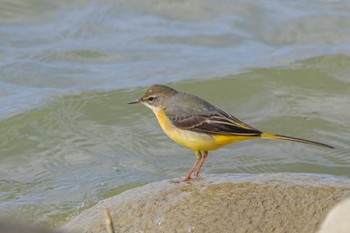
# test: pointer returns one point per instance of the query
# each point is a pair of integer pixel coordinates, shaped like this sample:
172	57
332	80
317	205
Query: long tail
283	137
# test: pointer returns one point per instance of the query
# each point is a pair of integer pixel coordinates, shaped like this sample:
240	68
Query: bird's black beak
135	101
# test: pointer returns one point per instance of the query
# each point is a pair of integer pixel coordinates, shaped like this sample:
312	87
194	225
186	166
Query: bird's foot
180	180
186	179
195	177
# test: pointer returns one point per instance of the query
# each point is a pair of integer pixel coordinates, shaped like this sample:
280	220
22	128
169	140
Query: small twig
108	221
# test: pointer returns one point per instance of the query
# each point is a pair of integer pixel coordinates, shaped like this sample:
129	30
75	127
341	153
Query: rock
220	203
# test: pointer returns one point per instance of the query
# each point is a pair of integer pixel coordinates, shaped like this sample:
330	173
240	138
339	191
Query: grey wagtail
200	126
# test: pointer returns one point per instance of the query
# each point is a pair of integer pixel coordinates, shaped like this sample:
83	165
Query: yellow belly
193	140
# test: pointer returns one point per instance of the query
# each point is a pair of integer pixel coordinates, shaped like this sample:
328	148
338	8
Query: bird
200	126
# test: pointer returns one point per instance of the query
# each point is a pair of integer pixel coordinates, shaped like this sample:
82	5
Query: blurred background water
68	139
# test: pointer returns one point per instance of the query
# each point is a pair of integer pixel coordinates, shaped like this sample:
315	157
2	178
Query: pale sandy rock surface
220	203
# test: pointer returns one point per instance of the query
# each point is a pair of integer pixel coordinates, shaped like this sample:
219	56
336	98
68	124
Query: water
68	139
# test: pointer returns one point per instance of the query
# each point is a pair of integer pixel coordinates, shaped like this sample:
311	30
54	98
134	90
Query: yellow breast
193	140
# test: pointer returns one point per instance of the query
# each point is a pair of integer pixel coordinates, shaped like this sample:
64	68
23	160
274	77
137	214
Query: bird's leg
199	157
205	154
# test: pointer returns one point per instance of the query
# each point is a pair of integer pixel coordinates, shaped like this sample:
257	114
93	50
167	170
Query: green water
68	138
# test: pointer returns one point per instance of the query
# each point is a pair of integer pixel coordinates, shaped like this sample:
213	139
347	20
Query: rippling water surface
68	139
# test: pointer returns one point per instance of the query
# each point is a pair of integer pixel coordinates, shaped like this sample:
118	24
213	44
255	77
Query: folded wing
217	122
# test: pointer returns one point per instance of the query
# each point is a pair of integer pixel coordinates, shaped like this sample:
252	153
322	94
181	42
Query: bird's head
155	97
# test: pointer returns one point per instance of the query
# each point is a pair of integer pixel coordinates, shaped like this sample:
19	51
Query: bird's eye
150	99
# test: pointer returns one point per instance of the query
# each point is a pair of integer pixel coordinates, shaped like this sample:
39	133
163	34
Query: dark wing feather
217	122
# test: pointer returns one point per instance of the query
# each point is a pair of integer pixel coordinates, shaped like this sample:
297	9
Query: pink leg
201	163
199	156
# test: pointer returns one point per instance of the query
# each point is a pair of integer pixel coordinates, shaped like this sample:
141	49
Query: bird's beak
135	101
